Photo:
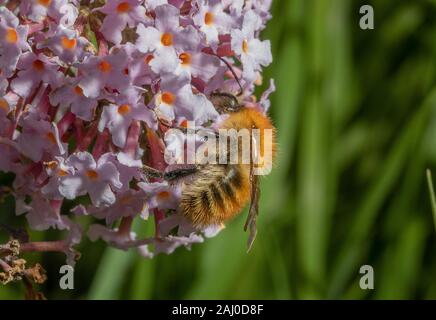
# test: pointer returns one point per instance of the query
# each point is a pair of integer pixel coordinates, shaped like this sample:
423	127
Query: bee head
225	102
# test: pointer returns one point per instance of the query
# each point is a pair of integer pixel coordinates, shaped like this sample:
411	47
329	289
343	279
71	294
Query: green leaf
110	274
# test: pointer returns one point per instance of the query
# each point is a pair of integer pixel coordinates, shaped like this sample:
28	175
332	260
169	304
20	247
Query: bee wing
253	212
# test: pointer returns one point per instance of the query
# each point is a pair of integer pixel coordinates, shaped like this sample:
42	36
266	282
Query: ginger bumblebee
214	193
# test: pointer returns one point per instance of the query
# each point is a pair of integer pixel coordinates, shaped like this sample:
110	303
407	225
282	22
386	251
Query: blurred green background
356	117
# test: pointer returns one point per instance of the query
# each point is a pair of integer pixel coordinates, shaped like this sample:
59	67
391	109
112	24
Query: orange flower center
92	174
185	58
11	35
163	195
245	46
62	173
184	124
78	90
168	98
123	7
209	18
68	43
124	109
50	136
51	165
105	66
126	199
4	104
167	39
44	3
38	65
148	58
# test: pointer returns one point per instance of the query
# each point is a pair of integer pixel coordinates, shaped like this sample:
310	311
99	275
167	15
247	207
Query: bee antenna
233	73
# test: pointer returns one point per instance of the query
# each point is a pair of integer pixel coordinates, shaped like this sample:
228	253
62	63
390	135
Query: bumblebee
213	194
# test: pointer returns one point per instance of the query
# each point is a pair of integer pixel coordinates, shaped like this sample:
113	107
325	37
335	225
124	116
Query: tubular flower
87	95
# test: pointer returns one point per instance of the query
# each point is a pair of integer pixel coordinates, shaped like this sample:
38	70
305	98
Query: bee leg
171	175
210	134
180	172
152	172
250	224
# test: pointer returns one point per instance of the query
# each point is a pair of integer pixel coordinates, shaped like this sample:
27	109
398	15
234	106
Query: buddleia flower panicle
85	87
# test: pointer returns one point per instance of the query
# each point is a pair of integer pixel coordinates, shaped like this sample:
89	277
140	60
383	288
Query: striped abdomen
215	194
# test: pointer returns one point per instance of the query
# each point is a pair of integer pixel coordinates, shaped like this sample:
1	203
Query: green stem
432	195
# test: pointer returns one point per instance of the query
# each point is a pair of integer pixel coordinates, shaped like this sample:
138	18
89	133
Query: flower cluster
85	87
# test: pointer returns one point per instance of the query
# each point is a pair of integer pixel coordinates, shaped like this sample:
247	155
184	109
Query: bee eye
234	102
224	102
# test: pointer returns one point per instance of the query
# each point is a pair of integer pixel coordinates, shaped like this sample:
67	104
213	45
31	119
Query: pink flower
219	82
234	6
71	96
60	10
176	221
58	171
264	99
212	20
119	14
253	52
117	117
128	167
67	45
99	73
262	7
113	237
169	244
41	215
4	83
9	157
151	5
192	61
166	40
177	99
138	67
93	177
12	41
128	204
39	138
34	70
8	103
165	32
160	195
